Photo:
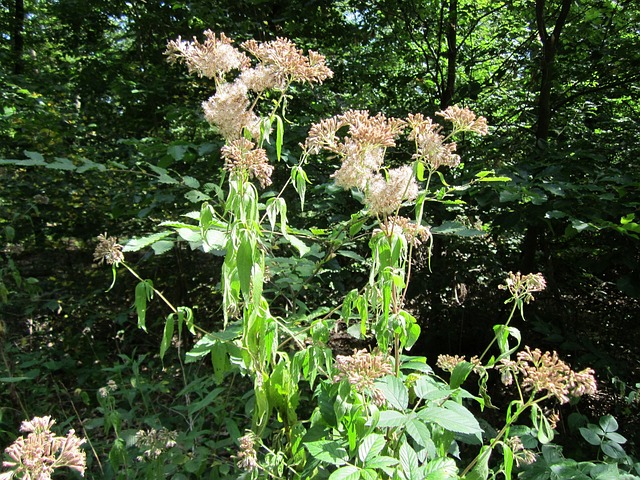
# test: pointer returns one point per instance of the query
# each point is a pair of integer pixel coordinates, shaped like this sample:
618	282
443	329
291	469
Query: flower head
464	120
213	58
240	156
431	147
414	233
108	250
361	369
288	63
385	195
247	455
546	372
154	442
228	111
522	286
42	452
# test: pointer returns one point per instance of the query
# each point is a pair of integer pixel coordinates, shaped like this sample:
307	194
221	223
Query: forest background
100	134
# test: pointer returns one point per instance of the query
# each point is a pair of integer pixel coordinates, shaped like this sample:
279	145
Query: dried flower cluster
231	109
363	148
414	233
448	363
361	369
153	442
286	63
464	120
104	392
521	455
522	286
108	250
241	157
279	63
431	147
37	456
212	59
247	456
546	372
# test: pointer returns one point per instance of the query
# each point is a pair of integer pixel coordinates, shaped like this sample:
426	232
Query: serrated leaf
167	335
395	392
163	176
62	164
381	462
452	417
371	446
196	196
162	246
391	418
418	431
135	244
327	451
408	461
191	234
349	472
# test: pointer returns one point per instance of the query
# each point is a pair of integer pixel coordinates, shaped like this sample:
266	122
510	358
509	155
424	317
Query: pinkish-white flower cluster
361	369
546	372
363	147
231	109
37	456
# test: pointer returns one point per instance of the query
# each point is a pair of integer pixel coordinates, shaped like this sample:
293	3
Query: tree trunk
452	55
549	42
18	37
549	48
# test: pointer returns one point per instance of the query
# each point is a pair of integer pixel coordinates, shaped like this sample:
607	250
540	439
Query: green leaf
327	451
167	336
381	461
349	472
419	432
163	176
395	392
409	461
460	374
144	293
608	423
162	246
135	244
245	265
371	446
391	418
279	136
206	401
481	469
196	196
613	450
62	164
590	435
616	437
35	159
452	417
456	228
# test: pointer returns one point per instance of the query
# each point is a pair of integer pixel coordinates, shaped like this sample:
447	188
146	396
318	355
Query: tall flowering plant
371	414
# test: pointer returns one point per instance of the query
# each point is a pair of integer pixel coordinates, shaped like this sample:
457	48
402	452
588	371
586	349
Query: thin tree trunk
18	37
535	233
452	55
549	48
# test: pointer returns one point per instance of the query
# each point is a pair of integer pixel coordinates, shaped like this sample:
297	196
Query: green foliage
114	142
